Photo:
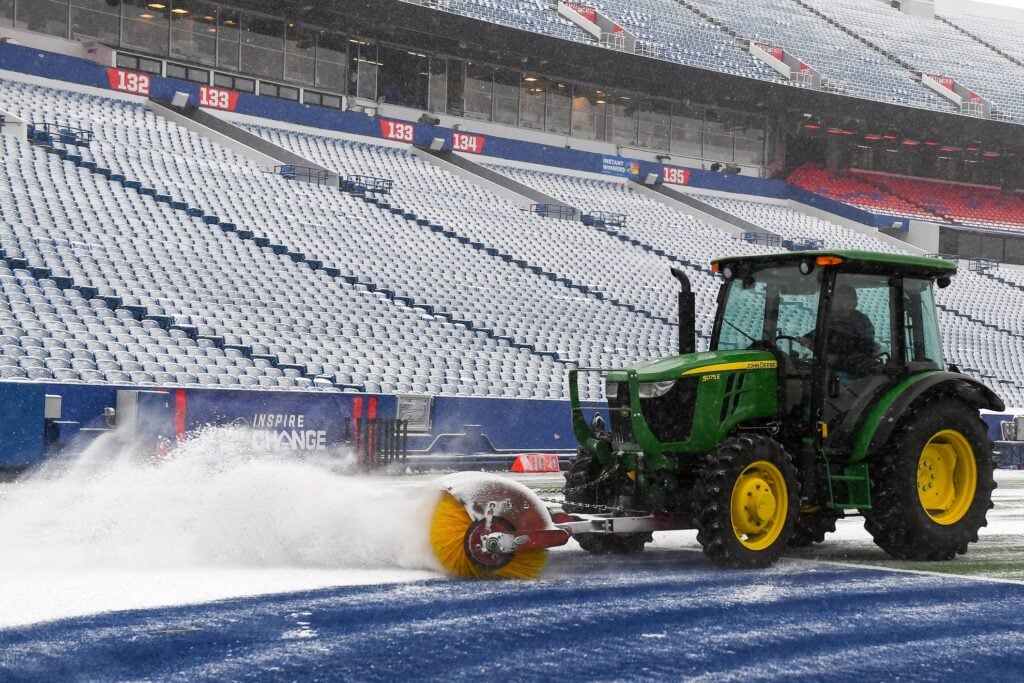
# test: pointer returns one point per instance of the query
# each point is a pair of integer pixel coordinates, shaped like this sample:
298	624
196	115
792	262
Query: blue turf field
654	616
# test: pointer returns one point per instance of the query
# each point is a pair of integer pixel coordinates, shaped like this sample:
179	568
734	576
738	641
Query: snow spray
215	500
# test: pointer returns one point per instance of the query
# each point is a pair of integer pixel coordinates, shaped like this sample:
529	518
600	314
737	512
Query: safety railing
50	133
554	211
309	174
762	238
362	184
602	219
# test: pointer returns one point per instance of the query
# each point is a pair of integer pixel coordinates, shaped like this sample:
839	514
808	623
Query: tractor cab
845	327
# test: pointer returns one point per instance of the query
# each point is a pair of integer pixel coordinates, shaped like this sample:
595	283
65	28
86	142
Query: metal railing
49	133
377	442
361	184
762	238
307	173
601	219
554	211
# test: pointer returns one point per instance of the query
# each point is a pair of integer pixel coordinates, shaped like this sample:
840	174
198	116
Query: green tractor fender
887	411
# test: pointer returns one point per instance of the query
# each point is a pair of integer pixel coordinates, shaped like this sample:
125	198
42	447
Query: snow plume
214	500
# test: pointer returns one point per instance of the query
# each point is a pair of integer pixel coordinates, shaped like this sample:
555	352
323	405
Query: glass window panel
586	113
228	33
145	27
331	57
559	108
300	54
622	114
263	31
506	96
922	342
331	76
456	93
437	92
749	151
532	95
362	71
194	31
403	77
44	16
262	47
655	124
479	91
718	146
95	20
6	12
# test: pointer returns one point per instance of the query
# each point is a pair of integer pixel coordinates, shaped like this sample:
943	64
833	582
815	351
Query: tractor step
855	484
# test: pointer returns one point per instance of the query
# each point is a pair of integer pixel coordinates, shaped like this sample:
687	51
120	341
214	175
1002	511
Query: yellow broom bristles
447	536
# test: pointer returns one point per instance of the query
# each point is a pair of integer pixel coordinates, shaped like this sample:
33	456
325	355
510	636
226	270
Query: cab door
856	372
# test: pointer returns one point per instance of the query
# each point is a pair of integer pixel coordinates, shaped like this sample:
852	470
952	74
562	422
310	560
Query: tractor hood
708	362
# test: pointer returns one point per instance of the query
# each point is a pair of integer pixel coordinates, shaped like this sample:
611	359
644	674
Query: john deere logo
624	411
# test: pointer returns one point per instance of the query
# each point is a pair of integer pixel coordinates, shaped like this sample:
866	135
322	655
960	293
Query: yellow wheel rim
759	505
947	477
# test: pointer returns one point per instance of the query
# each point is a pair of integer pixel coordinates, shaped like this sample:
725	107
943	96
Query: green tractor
824	391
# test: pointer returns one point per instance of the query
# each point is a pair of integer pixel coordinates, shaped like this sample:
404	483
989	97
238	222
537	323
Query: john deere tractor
767	439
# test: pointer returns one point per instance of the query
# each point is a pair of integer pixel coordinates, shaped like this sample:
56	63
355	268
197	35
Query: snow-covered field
218	564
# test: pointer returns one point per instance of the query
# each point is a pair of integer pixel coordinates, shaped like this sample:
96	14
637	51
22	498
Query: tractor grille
618	411
669	416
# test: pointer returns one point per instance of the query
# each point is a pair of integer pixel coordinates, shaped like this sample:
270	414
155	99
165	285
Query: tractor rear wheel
931	486
746	502
583	488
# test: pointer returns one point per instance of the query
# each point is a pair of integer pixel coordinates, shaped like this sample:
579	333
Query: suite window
262	45
146	26
97	20
194	31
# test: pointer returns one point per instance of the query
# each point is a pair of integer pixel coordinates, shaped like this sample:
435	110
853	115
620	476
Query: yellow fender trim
729	367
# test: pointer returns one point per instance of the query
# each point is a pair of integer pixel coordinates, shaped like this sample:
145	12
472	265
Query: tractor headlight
656	389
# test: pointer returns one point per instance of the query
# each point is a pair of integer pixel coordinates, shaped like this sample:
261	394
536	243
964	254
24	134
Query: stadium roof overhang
448	34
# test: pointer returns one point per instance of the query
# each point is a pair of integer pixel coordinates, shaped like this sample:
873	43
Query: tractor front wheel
746	502
931	486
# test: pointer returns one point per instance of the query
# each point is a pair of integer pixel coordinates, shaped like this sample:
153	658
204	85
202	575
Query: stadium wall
278	420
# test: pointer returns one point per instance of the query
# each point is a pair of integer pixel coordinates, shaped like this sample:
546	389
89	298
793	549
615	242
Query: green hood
704	363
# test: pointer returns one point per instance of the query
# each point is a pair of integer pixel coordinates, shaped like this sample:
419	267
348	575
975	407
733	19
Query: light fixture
530	79
156	5
147	15
179	10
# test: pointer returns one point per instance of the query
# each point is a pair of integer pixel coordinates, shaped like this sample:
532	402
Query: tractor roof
859	261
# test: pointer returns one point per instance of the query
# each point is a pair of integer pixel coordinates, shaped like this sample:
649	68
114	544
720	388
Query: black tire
812	527
583	469
758	470
912	516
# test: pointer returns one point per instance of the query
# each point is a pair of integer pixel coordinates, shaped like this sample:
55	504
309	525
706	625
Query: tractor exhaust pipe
687	314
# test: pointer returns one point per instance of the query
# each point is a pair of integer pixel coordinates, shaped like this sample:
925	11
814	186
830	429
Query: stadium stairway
240	141
727	221
518	193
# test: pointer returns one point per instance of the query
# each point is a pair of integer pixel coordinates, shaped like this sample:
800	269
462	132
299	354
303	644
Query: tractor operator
850	343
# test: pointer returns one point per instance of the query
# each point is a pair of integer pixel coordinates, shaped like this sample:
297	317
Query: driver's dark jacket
850	342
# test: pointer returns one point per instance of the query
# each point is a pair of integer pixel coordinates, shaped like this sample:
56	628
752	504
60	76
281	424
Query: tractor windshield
769	304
